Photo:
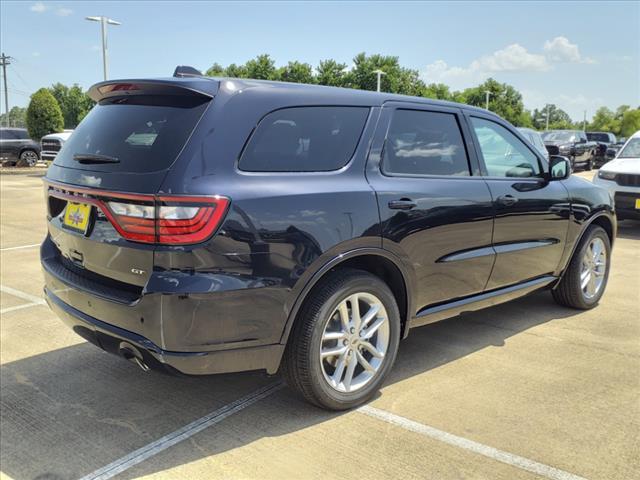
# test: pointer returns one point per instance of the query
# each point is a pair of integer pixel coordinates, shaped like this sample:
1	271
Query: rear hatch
105	216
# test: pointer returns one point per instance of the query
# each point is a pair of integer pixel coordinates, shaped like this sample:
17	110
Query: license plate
76	217
638	203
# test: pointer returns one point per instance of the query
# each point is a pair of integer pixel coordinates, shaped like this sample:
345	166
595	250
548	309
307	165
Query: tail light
166	220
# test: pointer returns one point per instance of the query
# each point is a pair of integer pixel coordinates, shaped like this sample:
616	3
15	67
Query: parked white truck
51	144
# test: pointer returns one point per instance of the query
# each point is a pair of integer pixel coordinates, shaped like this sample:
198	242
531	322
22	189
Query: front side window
304	139
424	143
504	154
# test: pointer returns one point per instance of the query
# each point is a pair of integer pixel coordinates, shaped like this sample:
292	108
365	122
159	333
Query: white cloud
64	12
560	49
35	54
38	7
573	104
512	58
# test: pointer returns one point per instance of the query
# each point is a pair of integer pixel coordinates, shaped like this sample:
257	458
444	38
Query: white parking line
181	434
19	248
22	295
19	307
466	444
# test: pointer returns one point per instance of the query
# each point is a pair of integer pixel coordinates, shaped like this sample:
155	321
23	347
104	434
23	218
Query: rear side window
424	143
143	133
304	139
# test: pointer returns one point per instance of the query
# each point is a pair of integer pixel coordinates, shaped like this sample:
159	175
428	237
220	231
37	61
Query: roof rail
186	71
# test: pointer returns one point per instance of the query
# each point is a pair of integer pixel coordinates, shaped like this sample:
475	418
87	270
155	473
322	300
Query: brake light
167	220
160	219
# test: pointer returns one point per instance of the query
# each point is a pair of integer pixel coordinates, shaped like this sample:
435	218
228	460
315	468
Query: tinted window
144	133
21	134
7	134
424	143
504	154
598	137
304	139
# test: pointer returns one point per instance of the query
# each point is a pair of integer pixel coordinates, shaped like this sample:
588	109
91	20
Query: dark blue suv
202	225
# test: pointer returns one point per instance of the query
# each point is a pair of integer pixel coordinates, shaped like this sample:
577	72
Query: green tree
396	79
297	72
331	73
604	120
236	71
74	103
504	100
558	118
15	118
43	115
262	68
216	70
439	91
630	123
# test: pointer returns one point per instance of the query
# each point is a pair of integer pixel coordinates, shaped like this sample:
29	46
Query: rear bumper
118	341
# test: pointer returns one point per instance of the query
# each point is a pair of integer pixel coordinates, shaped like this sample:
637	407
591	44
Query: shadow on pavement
68	412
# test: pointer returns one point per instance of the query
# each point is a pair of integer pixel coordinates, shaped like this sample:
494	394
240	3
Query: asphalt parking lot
522	390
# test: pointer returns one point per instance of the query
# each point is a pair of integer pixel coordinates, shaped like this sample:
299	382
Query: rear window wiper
94	158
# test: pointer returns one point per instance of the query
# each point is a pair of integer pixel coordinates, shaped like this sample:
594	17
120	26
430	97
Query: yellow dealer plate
77	216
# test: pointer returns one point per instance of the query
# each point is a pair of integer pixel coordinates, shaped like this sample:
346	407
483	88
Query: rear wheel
585	279
28	158
344	341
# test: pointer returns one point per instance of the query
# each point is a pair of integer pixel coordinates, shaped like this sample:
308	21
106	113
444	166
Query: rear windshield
598	137
304	139
134	134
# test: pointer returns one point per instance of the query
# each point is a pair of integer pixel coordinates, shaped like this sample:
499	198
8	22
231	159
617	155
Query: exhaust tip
131	353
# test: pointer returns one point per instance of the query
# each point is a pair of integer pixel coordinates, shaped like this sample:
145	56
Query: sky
578	55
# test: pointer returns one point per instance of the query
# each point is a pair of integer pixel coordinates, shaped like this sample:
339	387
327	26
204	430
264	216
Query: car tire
585	278
589	166
27	158
326	323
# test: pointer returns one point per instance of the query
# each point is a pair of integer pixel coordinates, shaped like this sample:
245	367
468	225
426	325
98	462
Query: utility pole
104	21
487	94
5	61
584	123
547	117
379	73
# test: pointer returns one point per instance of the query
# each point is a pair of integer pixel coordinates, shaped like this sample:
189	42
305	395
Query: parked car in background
206	225
52	143
572	144
535	139
604	140
16	148
621	176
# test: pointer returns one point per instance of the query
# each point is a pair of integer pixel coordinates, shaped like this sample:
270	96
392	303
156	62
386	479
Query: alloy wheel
354	342
594	267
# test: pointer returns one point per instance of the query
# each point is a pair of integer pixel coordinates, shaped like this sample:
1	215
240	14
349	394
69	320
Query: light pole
547	117
487	95
104	21
379	73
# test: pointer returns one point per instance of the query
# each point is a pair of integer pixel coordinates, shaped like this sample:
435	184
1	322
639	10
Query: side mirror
559	167
582	140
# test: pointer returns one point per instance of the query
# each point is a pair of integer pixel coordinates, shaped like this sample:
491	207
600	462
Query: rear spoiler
190	86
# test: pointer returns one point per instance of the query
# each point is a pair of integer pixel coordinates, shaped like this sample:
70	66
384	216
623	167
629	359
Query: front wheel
344	341
585	279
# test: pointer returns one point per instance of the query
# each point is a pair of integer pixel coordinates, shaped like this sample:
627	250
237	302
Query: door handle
402	204
507	200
